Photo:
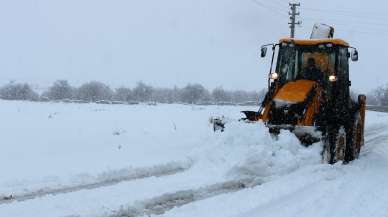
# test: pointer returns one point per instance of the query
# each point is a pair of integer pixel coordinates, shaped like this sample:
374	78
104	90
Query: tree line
95	91
378	96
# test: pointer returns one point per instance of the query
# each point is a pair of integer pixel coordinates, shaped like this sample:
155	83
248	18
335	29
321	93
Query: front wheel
334	146
274	132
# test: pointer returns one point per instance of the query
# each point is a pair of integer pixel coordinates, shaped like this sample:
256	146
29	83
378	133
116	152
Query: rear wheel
274	132
354	148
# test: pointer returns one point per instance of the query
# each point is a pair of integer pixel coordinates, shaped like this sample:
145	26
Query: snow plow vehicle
309	95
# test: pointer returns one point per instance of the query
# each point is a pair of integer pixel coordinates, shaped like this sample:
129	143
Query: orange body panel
264	115
295	91
312	109
314	42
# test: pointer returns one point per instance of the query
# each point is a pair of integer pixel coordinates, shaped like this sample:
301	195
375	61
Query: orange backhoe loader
309	94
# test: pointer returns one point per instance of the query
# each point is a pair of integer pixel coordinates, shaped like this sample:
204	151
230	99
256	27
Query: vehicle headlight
274	76
332	78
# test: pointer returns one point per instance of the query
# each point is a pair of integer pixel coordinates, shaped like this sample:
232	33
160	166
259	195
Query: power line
347	23
279	4
269	7
362	31
366	16
348	12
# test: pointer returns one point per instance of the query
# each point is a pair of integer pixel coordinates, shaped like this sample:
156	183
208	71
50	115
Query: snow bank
247	150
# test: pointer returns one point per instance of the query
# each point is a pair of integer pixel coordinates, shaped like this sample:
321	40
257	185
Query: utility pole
293	15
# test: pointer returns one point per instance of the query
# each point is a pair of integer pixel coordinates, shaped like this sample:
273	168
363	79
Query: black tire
357	140
274	132
334	148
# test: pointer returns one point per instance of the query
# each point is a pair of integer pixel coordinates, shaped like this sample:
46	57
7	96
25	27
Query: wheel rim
357	141
334	146
357	137
326	153
340	147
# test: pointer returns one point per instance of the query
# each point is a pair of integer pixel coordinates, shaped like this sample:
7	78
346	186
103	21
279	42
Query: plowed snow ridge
161	204
108	179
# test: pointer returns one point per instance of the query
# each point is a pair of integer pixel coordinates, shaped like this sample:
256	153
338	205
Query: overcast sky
174	42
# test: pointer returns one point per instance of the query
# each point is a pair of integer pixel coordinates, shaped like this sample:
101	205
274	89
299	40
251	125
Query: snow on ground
49	144
356	189
53	146
103	160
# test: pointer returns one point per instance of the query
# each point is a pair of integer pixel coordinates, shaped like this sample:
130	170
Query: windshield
305	62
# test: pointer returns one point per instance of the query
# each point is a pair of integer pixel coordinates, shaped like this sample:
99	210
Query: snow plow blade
250	116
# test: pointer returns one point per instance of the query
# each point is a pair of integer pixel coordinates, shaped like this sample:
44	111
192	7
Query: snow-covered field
119	160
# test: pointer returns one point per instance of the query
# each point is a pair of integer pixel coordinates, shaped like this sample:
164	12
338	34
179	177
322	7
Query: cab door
343	82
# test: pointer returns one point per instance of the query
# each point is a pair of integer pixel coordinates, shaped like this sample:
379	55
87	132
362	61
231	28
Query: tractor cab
324	61
308	74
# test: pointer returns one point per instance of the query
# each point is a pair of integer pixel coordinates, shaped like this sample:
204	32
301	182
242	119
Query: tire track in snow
375	135
108	179
163	203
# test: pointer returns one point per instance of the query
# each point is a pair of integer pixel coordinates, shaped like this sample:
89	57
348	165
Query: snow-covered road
116	160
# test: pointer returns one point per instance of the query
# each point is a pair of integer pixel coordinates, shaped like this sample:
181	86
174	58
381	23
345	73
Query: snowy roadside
58	145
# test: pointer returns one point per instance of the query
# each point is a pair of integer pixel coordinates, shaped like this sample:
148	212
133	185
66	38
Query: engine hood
294	92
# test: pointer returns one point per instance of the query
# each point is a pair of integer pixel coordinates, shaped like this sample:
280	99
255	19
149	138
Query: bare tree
18	92
371	99
194	93
142	92
94	91
60	90
164	95
220	95
378	96
123	94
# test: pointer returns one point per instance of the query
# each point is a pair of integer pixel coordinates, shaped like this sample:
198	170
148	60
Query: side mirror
354	55
263	51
